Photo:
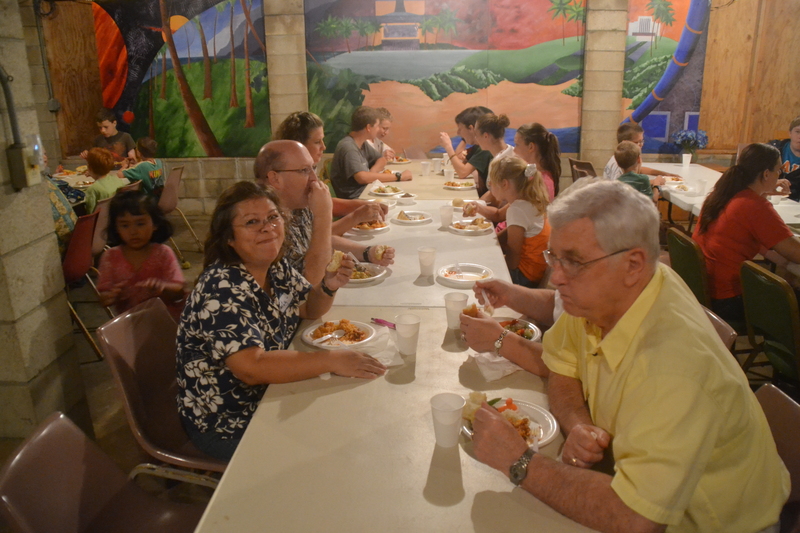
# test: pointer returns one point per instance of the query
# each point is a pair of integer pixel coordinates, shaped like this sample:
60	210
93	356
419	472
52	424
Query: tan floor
108	419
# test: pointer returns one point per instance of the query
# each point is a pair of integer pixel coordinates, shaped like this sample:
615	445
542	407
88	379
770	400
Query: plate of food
463	275
366	273
389	202
370	228
386	190
459	185
412	218
400	160
521	327
530	420
672	180
348	334
471	226
83	184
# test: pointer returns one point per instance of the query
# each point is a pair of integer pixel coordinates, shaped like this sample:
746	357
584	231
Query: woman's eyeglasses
258	224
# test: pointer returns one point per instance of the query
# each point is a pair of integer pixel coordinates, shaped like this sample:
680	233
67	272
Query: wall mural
200	88
426	60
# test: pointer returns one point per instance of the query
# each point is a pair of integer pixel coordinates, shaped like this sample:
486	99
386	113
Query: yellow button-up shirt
692	448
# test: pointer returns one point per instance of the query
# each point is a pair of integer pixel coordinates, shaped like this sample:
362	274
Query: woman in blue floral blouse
240	318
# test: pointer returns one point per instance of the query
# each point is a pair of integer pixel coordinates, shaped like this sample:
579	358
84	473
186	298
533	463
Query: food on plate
66	172
375	224
507	408
380	250
360	272
400	159
518	327
336	261
407	195
470	209
351	335
459	184
81	169
467	276
83	183
458	202
405	216
477	224
674	178
387	189
471	310
386	171
682	187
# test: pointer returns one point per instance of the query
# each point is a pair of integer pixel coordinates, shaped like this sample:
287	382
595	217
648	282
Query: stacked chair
168	202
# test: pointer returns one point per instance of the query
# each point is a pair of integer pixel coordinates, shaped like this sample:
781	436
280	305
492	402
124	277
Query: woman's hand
585	445
480	333
339	278
369	212
498	292
386	259
349	363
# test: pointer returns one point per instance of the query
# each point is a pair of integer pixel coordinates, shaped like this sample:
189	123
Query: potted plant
690	141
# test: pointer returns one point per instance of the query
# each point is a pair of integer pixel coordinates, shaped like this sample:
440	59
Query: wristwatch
519	470
398	175
499	342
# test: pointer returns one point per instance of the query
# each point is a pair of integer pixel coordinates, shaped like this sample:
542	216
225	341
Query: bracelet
452	156
327	291
365	255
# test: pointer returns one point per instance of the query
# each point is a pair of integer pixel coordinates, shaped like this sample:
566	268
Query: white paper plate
467	231
426	218
376	271
471	273
376	193
375	231
537	415
388	202
537	333
336	346
396	162
464	188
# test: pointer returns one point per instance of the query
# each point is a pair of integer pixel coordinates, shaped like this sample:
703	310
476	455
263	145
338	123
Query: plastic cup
446	411
407	329
775	199
426	167
454	303
446	213
700	187
449	174
427	256
687	159
437	165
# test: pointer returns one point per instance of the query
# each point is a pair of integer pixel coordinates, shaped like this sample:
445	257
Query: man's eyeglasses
571	267
257	224
307	171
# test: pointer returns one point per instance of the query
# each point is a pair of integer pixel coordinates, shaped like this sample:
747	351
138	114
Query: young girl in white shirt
525	238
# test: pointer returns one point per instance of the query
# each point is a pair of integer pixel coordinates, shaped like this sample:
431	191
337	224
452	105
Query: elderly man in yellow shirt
635	361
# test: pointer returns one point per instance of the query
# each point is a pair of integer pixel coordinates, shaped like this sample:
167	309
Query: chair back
581	169
726	333
169	196
100	237
58	481
770	307
687	259
78	257
133	186
783	415
139	346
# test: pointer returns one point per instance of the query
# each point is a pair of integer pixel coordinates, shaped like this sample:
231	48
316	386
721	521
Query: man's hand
495	441
368	213
499	292
783	187
386	259
446	142
406	176
585	445
319	199
389	154
480	333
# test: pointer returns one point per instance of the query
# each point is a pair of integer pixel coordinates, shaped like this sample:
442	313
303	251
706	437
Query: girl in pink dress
138	267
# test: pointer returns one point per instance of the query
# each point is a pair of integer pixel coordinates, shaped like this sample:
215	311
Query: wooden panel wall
750	82
72	58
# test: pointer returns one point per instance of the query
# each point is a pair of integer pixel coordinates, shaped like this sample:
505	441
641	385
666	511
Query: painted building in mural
204	91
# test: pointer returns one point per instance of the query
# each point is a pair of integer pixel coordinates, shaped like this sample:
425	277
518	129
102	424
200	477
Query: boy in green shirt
629	158
148	170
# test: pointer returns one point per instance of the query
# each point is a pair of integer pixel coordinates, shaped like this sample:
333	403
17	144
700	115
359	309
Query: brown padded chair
168	202
580	169
783	415
133	186
139	346
59	481
723	329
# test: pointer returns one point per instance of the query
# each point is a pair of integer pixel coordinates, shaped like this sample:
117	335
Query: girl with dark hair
539	147
139	267
465	163
737	222
234	334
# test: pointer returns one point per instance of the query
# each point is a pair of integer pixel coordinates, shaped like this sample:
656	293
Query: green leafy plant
334	95
458	80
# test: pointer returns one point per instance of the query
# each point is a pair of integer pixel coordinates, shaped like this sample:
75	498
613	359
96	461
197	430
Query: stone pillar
284	26
604	62
39	371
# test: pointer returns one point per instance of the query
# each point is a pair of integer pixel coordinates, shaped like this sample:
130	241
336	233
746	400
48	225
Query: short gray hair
622	216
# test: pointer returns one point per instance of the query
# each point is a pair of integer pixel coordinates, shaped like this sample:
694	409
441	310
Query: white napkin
494	367
382	348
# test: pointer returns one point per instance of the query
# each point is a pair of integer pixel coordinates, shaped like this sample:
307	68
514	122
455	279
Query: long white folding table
403	286
350	455
428	187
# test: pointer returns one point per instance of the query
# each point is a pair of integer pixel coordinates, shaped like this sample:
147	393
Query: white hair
623	217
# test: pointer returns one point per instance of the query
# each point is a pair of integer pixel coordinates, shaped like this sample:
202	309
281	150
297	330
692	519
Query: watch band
519	470
327	290
499	342
398	175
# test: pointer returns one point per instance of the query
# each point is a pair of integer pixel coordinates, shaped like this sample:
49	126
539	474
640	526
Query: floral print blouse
227	312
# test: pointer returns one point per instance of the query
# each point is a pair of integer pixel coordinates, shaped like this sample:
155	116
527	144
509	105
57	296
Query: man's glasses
258	224
570	267
307	171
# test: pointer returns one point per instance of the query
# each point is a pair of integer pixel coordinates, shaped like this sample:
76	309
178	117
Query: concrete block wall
203	180
284	28
39	370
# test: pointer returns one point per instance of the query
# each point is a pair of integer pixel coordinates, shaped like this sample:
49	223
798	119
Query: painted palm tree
346	27
663	13
234	101
163	94
560	8
249	115
428	25
447	21
364	29
246	11
203	131
375	27
219	9
206	60
328	28
577	13
188	46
